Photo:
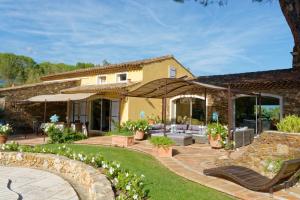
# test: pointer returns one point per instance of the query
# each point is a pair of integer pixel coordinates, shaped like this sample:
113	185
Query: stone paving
31	184
189	162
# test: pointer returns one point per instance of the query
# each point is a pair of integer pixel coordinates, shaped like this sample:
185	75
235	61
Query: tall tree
291	12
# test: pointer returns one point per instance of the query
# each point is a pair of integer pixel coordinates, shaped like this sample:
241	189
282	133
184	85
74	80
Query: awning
60	97
170	87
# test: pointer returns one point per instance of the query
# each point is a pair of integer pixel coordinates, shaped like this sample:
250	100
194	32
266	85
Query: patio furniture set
185	134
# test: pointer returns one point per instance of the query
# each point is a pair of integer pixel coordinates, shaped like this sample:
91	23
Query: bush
5	130
161	141
141	125
273	166
66	135
127	184
290	124
215	129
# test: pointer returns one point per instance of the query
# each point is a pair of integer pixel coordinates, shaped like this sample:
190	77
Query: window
101	80
172	72
121	77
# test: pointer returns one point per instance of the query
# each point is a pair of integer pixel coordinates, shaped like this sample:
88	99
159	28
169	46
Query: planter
151	121
139	135
122	141
215	142
162	151
3	139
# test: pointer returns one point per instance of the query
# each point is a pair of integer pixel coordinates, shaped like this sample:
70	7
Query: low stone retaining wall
99	186
270	144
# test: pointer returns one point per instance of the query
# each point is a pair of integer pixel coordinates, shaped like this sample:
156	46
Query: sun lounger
286	177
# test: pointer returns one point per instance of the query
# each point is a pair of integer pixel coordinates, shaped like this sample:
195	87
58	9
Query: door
115	113
100	115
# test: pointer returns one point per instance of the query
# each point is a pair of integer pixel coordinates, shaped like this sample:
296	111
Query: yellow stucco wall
152	72
136	75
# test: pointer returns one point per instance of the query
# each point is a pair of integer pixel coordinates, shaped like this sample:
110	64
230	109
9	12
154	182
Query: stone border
99	187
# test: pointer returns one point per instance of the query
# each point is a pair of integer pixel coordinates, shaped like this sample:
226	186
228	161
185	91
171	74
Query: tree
18	69
291	12
105	62
12	68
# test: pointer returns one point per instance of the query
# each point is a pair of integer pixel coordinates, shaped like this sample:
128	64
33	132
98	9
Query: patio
189	162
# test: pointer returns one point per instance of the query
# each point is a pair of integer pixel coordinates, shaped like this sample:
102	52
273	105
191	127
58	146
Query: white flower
111	170
142	176
118	165
128	187
135	196
116	181
126	174
93	159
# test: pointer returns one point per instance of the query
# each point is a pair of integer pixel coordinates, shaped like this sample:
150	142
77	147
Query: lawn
162	183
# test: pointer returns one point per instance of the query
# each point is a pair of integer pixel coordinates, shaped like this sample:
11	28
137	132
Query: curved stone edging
99	186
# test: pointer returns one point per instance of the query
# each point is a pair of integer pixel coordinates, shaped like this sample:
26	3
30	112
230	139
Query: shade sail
170	87
60	97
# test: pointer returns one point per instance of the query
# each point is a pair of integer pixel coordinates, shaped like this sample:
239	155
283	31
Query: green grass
161	182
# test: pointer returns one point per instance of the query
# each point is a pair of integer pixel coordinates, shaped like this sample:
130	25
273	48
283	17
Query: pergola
170	87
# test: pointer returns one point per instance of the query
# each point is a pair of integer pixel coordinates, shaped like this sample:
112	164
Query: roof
281	78
35	84
114	87
60	97
112	68
170	87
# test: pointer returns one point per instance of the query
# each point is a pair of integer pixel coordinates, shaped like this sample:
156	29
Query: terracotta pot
163	151
122	141
215	142
139	135
151	121
3	139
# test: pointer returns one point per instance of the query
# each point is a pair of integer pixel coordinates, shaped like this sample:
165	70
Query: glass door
100	115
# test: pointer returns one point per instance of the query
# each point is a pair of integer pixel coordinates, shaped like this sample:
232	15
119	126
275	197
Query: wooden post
205	108
259	114
164	117
230	123
68	111
45	116
164	105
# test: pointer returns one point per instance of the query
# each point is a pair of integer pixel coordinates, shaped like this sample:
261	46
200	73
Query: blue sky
240	37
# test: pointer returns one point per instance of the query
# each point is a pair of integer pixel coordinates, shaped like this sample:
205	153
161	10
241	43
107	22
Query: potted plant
217	134
5	130
153	119
162	146
122	136
141	127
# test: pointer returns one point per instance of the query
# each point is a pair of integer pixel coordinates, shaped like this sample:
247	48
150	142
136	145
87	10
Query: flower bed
127	184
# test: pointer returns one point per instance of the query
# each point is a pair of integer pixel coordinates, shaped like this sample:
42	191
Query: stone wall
21	114
270	145
99	187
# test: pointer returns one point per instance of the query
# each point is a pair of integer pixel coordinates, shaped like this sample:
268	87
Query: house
94	95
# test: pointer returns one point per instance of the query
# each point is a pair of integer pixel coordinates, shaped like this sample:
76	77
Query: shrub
161	141
215	129
120	132
273	166
128	184
62	135
5	129
290	124
141	125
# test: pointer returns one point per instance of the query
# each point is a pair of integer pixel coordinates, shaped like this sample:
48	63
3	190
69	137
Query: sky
239	37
